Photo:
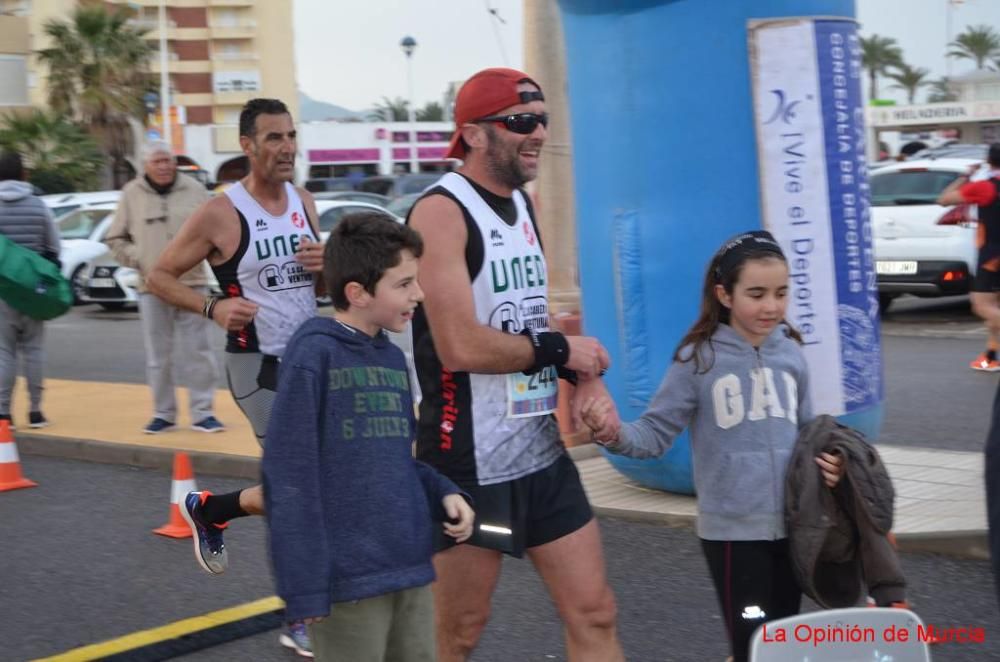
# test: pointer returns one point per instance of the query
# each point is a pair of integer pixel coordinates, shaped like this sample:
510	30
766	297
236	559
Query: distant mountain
311	110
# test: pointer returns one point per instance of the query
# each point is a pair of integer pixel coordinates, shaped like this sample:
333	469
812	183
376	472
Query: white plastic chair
841	635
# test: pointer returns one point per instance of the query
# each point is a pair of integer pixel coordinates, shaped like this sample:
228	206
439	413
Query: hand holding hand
310	255
832	467
587	356
460	512
234	313
601	416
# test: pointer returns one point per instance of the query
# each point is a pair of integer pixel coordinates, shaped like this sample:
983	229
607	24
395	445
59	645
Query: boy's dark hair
361	248
255	107
11	166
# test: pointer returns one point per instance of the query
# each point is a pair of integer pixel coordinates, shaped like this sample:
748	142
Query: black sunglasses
523	123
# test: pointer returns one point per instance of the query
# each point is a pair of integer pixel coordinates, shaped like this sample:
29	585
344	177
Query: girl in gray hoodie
739	382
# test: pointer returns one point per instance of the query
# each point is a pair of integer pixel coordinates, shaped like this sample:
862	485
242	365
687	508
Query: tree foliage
98	72
59	155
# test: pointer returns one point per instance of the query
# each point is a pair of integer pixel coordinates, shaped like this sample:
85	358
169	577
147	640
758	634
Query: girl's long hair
713	313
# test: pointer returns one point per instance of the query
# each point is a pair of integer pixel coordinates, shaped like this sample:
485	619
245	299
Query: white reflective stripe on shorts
8	453
180	490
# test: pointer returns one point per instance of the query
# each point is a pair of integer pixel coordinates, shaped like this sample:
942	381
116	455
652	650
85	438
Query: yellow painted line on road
166	632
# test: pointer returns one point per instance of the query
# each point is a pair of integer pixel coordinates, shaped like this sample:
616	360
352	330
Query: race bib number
532	395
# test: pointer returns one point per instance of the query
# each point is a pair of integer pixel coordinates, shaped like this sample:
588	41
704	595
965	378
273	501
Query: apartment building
220	53
15	54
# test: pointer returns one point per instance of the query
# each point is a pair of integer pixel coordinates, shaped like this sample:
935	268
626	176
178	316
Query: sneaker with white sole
158	425
296	637
209	424
209	548
37	420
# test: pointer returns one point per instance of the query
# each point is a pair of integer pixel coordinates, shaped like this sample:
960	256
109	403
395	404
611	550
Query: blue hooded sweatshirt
350	512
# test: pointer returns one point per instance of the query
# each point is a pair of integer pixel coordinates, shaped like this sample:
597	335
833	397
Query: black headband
528	97
735	251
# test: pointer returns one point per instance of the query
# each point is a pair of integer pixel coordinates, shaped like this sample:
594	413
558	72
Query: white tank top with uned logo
264	271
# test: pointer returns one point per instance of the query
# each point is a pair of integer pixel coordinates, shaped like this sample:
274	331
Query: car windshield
332	216
909	187
62	210
401	206
417	183
80	224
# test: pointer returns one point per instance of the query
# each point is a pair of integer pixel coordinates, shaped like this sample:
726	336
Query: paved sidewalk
940	498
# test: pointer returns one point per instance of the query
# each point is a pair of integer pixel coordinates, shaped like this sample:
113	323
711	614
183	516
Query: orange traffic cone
183	483
10	463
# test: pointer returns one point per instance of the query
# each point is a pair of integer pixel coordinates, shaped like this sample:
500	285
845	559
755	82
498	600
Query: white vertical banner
814	194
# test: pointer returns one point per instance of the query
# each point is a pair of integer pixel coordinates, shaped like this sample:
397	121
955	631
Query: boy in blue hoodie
350	511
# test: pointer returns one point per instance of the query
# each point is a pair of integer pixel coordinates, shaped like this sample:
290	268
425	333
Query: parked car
63	203
320	184
81	235
394	186
921	248
111	285
115	287
954	151
353	196
401	206
331	211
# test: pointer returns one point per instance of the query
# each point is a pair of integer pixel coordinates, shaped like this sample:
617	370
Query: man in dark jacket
26	221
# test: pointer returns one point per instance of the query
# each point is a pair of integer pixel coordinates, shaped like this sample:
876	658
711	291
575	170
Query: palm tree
432	112
878	54
910	79
391	110
98	72
978	42
941	92
59	155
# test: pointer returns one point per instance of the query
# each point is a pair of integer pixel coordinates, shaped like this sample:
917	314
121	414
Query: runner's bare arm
202	237
312	257
196	241
952	194
462	343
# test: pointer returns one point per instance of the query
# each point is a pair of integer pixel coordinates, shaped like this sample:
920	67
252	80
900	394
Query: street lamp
409	44
164	78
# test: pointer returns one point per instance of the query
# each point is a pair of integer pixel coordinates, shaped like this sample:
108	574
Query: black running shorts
528	511
986	280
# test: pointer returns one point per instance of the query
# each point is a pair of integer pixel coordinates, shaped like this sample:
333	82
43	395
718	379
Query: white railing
221	25
236	56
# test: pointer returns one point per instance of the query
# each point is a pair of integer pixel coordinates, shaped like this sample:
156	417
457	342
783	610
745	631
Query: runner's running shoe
209	548
296	637
984	364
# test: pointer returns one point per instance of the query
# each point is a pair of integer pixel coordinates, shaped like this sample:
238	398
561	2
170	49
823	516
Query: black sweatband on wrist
551	348
565	373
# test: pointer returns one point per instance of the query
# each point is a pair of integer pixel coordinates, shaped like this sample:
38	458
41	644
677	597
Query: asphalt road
78	565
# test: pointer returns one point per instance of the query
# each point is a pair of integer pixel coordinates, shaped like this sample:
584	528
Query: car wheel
112	305
884	301
78	281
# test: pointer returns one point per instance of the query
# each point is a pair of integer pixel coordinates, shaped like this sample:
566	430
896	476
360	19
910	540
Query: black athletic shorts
528	511
986	280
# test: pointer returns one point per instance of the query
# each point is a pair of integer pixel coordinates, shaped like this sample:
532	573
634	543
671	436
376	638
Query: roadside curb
147	457
970	544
